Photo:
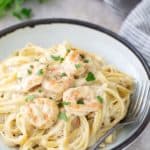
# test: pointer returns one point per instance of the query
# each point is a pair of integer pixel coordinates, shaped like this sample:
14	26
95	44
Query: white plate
87	36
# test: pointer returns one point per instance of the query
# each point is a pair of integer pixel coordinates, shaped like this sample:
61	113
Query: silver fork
136	112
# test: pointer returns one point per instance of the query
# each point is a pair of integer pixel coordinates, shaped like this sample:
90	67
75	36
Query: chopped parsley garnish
40	90
66	103
62	116
100	99
63	74
31	66
86	61
61	104
30	98
80	101
77	66
57	58
90	77
68	50
40	72
29	71
61	59
47	65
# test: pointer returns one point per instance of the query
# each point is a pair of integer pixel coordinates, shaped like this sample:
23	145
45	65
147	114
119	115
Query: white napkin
136	28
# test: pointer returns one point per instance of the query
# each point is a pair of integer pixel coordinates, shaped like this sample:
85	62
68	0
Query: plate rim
35	22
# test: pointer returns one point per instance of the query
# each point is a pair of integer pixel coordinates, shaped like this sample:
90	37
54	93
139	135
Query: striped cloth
136	28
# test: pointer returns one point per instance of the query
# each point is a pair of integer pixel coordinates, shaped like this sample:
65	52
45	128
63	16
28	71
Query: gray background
95	11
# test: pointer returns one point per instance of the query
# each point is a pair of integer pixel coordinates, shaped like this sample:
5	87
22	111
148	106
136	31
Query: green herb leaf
16	6
80	101
63	116
56	58
29	71
40	72
30	98
63	74
21	13
61	59
26	12
40	90
17	15
86	61
68	50
77	66
90	77
31	66
61	104
100	99
66	103
47	65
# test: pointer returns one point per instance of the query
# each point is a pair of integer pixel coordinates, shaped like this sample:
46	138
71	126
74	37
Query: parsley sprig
62	104
40	72
30	98
100	99
16	8
63	74
57	58
90	77
29	71
77	66
63	116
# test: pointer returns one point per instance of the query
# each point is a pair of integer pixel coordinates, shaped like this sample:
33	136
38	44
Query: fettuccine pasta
61	98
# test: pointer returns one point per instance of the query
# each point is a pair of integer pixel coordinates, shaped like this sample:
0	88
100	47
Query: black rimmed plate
114	49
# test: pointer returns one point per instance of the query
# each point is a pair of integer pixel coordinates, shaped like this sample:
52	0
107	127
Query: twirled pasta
60	98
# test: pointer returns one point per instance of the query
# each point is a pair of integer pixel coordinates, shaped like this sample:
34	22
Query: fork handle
109	132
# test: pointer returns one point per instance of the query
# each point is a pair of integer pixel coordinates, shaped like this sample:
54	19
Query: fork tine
134	102
140	98
145	102
135	95
142	89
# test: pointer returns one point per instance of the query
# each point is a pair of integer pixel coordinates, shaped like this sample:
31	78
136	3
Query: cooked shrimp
60	49
30	75
56	82
74	64
83	99
41	113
